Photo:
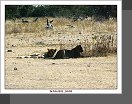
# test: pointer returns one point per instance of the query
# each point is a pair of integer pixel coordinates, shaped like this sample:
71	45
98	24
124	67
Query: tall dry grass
61	25
97	38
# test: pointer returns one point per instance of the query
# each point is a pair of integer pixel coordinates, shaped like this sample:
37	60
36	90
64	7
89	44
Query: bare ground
81	73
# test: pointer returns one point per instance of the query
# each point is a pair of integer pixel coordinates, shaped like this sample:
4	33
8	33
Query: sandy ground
88	73
28	73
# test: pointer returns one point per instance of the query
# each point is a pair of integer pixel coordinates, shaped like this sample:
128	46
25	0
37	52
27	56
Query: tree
103	11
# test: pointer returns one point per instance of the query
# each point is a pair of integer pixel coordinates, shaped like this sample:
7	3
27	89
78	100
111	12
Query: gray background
124	98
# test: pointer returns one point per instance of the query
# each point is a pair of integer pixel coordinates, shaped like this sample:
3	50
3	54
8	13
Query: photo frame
118	90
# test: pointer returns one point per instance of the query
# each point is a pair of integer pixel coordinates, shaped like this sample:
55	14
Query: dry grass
60	26
97	38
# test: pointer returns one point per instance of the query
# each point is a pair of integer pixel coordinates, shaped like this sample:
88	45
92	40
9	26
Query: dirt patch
81	73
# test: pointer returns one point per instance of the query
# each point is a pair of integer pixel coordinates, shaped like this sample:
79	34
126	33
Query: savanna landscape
97	69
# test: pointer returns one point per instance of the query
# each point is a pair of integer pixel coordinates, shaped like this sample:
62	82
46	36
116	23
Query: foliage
17	11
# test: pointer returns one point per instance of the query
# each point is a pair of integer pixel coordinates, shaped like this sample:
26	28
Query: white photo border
63	91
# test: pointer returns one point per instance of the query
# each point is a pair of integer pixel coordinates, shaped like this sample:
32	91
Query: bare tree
49	24
35	19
